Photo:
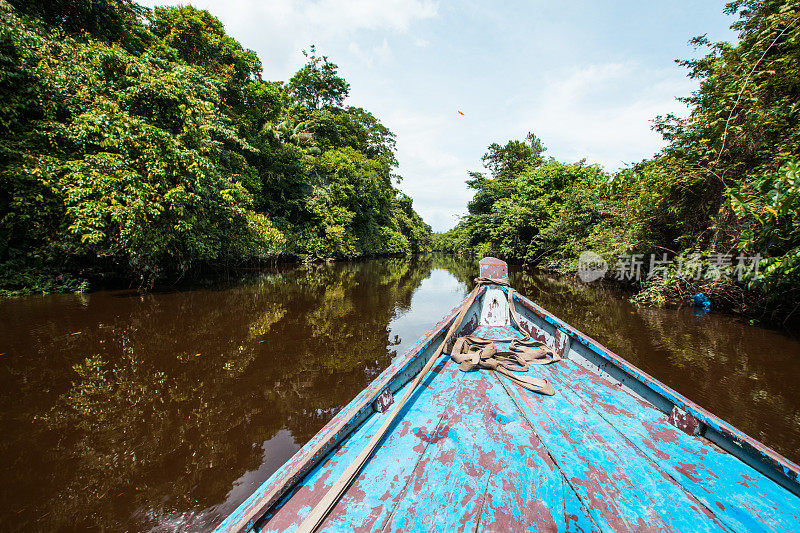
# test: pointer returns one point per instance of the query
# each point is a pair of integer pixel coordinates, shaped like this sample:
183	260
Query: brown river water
164	411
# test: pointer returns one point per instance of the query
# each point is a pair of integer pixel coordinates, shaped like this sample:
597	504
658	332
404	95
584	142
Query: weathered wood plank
369	502
622	488
487	470
533	491
370	498
474	451
745	499
745	448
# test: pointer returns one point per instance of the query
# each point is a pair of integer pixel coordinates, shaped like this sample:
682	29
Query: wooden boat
612	449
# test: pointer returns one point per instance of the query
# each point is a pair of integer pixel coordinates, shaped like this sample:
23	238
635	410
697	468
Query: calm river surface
164	411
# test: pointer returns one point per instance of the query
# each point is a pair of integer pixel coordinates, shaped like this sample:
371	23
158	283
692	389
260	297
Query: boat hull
613	449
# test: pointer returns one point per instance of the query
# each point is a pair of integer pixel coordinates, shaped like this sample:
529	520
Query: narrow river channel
164	411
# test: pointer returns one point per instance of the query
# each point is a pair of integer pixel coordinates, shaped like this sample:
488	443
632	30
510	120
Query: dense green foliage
144	145
725	184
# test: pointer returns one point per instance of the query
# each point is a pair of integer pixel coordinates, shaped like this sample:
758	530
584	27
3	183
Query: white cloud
433	173
338	16
602	112
279	29
380	55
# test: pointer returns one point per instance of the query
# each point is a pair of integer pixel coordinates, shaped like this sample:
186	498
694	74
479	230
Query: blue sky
586	77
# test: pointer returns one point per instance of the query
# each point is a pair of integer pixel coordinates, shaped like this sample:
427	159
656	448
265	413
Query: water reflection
135	412
164	411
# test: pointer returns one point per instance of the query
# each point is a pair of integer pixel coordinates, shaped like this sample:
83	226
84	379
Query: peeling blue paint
473	451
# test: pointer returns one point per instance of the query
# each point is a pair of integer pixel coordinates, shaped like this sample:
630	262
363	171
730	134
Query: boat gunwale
253	509
783	470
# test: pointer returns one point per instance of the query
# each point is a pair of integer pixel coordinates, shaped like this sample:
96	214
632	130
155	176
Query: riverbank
31	282
128	154
673	290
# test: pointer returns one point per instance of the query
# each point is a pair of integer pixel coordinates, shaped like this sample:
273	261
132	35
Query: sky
586	77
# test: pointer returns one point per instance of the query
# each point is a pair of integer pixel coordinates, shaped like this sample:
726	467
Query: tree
116	163
318	84
337	127
505	162
198	38
110	20
151	162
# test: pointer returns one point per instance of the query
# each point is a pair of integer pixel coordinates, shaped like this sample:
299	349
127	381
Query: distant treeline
726	186
142	145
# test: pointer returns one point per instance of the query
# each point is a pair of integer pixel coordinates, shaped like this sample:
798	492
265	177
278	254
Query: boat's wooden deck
474	451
